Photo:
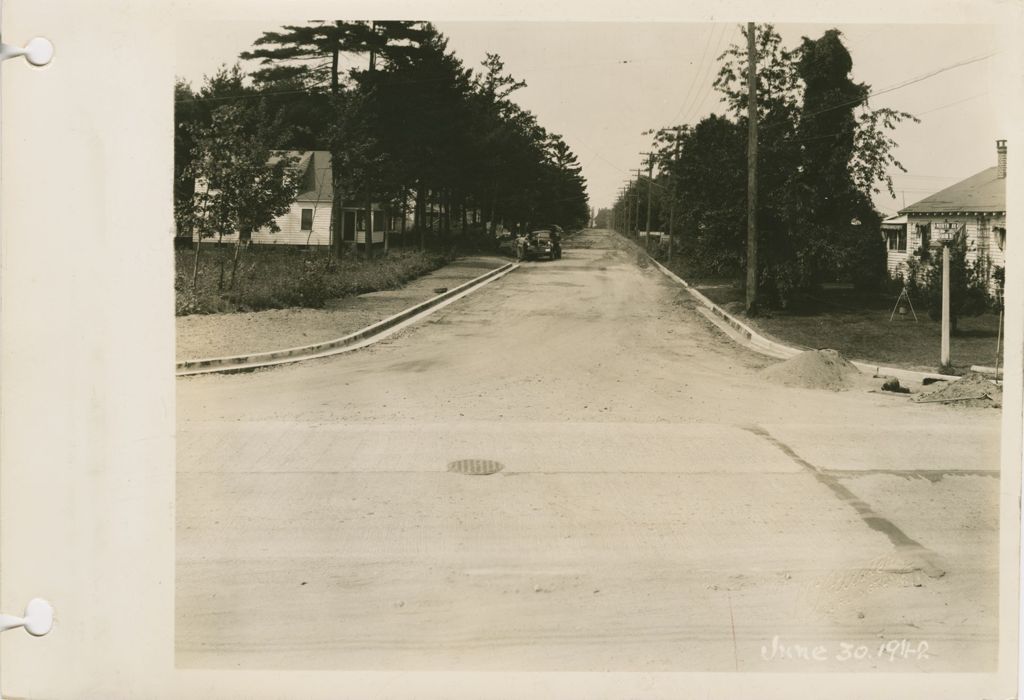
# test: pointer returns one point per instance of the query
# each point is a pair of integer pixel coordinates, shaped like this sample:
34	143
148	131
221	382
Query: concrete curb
748	337
360	339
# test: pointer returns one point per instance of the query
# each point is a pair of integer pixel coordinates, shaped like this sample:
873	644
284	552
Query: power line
700	71
935	72
892	88
709	86
930	177
596	153
950	104
905	83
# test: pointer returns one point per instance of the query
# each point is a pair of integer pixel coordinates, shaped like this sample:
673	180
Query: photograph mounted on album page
557	353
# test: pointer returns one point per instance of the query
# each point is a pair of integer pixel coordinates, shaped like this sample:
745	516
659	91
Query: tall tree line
822	152
408	125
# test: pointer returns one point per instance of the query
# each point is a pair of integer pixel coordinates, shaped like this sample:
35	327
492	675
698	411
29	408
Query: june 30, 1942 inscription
888	650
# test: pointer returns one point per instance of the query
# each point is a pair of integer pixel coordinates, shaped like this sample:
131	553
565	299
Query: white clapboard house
308	221
974	208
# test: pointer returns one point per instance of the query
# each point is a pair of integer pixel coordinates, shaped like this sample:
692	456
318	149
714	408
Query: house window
1000	232
307	219
924	231
897	240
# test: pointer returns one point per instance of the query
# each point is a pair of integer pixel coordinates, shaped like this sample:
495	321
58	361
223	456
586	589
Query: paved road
660	507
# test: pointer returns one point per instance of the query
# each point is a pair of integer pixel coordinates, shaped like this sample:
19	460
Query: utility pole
672	195
650	179
625	208
636	208
621	219
751	172
629	207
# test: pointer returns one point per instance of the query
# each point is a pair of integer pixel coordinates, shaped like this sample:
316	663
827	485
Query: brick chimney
1001	158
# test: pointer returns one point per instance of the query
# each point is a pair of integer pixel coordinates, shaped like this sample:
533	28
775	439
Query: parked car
539	243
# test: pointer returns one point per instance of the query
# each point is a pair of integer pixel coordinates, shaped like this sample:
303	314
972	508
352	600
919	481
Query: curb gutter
359	339
748	337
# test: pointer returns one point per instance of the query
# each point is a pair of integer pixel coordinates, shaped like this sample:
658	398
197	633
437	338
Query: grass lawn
278	277
860	329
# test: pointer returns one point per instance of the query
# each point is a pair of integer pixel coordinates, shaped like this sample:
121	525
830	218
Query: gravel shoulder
218	335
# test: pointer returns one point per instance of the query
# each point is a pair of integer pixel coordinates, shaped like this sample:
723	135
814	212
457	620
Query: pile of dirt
814	369
971	390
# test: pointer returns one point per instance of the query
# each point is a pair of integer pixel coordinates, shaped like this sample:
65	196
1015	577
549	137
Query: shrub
866	264
276	277
968	293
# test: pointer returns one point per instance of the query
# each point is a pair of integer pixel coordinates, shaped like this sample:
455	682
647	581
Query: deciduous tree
240	187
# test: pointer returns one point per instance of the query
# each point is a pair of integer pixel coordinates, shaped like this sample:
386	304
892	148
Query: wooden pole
944	349
636	208
672	197
626	207
623	193
650	179
751	172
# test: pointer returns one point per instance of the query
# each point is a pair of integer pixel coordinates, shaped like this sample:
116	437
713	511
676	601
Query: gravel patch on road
218	335
970	391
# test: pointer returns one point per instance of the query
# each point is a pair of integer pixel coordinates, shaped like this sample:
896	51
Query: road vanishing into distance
660	506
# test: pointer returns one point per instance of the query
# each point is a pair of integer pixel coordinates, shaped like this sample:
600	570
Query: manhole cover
475	467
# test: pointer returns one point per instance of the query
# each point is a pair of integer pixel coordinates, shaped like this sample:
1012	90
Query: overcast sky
602	84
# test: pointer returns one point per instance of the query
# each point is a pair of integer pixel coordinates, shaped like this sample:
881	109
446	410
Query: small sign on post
944	343
946	230
944	233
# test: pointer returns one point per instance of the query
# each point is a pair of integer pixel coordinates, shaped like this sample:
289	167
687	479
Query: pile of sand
970	390
814	369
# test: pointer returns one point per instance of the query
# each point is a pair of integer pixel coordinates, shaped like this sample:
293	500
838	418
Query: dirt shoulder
216	335
860	328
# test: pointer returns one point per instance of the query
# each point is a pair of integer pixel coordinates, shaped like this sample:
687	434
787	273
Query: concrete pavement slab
639	523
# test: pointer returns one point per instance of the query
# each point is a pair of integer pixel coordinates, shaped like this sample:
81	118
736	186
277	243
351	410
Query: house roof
315	167
895	221
984	192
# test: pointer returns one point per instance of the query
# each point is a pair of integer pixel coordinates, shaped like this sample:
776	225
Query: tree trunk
220	257
493	223
447	215
438	215
419	214
334	70
234	263
434	214
337	223
464	221
405	215
368	244
337	217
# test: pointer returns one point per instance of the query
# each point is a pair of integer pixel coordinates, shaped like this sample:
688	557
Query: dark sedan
541	243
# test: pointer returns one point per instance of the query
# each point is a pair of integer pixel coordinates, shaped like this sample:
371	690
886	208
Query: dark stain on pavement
421	365
903	543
